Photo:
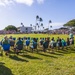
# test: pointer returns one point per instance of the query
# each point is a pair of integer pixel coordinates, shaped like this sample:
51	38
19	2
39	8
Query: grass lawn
62	62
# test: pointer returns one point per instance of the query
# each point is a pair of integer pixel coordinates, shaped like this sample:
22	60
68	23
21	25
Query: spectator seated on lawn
34	44
19	45
45	44
6	45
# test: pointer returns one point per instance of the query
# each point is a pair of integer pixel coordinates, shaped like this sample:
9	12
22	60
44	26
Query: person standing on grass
73	41
63	43
12	42
68	41
27	42
19	45
59	43
34	44
46	44
6	45
71	35
41	41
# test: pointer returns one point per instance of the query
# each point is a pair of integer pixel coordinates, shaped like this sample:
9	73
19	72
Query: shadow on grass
1	63
31	57
68	50
56	53
47	55
4	70
17	58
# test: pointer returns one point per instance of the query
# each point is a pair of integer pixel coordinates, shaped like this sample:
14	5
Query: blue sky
13	12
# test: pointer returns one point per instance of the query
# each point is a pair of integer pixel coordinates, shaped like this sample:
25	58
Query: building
24	29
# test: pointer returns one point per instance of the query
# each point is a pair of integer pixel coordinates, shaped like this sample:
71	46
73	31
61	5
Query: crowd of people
34	43
8	32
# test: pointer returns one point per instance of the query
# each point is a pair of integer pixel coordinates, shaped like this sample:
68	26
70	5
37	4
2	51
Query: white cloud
2	4
5	2
40	1
26	2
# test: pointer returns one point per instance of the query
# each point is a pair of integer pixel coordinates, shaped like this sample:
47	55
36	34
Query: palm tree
40	20
31	26
35	27
49	25
50	21
37	19
37	24
42	25
22	24
43	28
38	27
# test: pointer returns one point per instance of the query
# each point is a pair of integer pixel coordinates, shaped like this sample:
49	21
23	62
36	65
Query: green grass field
61	62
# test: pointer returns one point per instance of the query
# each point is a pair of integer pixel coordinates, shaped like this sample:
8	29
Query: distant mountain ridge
71	23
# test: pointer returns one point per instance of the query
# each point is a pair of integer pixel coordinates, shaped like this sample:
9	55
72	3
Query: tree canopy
10	27
71	23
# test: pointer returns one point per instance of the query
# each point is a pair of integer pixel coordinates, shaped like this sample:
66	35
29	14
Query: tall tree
22	24
38	27
40	20
41	25
37	17
43	28
50	21
10	27
49	24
